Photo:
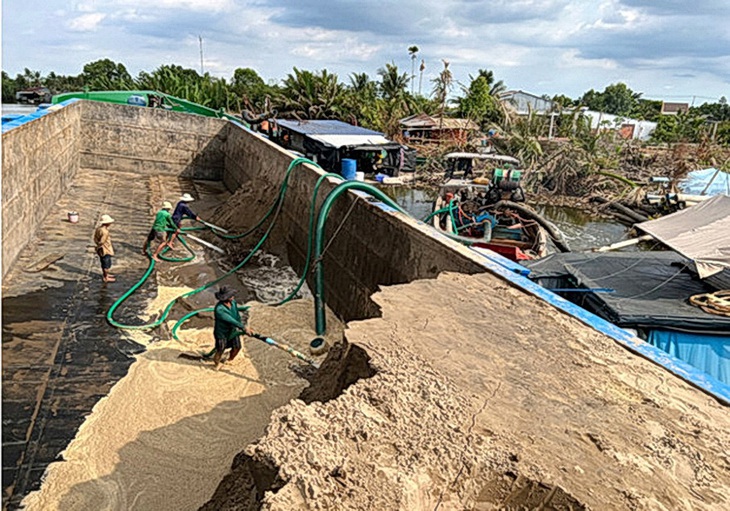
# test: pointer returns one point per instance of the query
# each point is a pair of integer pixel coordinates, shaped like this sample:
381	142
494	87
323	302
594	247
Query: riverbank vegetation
560	152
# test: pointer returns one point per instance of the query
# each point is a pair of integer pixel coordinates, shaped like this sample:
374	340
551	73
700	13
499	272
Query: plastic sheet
709	353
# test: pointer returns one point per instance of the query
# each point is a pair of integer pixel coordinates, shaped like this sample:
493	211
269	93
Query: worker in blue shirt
182	210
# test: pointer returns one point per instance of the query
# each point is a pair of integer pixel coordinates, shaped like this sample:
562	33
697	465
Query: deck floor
59	355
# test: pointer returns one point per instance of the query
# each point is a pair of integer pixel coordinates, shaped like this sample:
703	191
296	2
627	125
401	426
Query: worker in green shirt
228	325
163	224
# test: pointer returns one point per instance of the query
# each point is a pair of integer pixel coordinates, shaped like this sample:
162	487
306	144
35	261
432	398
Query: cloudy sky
666	49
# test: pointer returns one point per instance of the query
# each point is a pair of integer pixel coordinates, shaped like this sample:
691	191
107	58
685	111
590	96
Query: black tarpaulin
650	289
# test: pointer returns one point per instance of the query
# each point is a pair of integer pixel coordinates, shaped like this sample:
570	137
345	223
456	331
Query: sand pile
168	431
482	397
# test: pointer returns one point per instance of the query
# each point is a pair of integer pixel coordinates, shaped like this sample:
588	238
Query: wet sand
480	396
167	433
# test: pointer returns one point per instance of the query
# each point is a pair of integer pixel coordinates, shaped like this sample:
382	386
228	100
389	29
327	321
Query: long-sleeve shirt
163	221
182	210
227	321
103	241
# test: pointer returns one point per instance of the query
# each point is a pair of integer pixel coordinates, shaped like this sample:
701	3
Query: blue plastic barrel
349	168
136	100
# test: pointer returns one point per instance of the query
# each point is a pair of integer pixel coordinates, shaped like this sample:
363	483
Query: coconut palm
413	51
311	95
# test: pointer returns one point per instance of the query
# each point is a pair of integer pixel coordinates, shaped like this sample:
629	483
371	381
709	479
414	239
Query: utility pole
200	39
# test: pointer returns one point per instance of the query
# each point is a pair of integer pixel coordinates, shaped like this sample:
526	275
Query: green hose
319	300
275	208
437	212
305	270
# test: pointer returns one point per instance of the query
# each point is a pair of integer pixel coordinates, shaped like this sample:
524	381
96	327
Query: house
426	129
524	102
674	108
34	95
628	128
328	142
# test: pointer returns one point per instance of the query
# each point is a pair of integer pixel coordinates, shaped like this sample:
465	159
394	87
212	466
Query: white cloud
192	5
87	22
572	59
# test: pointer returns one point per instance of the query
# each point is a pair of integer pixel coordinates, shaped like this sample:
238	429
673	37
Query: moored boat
490	210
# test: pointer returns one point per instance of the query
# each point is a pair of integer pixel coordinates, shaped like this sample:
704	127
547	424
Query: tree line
378	102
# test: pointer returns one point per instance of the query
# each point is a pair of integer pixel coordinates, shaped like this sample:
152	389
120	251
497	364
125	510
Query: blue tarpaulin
696	181
709	353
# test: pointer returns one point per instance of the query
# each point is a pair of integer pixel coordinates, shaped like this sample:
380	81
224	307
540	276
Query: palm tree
395	100
412	51
311	95
442	86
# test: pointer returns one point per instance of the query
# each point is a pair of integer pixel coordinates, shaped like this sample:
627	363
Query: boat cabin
329	142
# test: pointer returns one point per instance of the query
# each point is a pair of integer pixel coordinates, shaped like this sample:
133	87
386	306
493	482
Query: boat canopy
632	289
699	233
483	156
706	181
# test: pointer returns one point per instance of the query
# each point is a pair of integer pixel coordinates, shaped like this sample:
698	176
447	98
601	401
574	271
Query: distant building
628	128
426	129
34	95
674	108
524	102
328	142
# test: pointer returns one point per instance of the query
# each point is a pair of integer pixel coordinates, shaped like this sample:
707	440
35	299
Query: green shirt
227	321
163	221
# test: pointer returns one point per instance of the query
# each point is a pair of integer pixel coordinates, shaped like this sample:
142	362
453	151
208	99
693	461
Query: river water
582	231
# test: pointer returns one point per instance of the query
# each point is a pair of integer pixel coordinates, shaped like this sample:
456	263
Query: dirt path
487	398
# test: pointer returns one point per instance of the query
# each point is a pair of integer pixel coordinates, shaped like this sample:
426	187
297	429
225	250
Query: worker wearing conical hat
228	325
162	225
182	210
104	248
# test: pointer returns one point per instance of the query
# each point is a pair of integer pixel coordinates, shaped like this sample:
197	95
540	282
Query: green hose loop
275	209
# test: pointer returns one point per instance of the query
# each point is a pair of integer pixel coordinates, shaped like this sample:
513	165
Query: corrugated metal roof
423	121
324	127
352	140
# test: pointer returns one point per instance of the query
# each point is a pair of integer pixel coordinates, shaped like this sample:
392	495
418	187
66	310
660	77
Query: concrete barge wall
40	160
374	247
41	157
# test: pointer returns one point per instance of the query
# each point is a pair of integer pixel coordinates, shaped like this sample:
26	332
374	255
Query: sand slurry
168	431
487	398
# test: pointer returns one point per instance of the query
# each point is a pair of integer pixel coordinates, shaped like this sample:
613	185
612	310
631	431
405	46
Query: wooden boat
484	211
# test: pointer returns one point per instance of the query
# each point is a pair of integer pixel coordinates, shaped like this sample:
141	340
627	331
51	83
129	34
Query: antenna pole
202	71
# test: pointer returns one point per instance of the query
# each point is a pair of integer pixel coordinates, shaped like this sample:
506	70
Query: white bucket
73	217
359	176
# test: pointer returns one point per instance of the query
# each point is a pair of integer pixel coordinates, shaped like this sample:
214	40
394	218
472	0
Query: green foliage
722	135
683	127
360	100
719	111
309	95
615	99
521	138
106	75
480	100
395	102
250	89
563	101
647	110
9	89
